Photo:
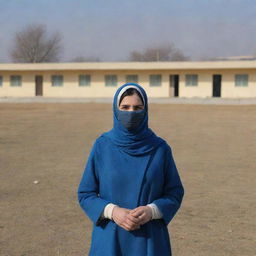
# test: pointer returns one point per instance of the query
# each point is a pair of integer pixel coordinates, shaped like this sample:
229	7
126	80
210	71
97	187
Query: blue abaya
130	169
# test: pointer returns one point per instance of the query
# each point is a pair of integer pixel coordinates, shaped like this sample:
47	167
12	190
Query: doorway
216	86
174	86
39	85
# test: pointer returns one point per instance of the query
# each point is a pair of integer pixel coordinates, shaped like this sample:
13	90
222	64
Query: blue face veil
137	141
131	120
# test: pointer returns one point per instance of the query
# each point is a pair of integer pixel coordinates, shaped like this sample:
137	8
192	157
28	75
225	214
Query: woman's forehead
132	99
125	89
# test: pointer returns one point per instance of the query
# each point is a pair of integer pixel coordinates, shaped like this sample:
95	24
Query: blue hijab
140	141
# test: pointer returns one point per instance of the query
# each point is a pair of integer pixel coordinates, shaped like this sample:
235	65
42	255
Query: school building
227	79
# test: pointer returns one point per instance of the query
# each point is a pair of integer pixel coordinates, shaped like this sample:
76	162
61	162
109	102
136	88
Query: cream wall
203	89
155	91
97	88
71	88
229	90
27	88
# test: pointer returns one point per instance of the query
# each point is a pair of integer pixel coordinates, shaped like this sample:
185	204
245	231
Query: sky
111	29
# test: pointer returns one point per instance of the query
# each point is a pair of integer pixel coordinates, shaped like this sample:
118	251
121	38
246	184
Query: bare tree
166	52
136	56
33	44
177	55
85	59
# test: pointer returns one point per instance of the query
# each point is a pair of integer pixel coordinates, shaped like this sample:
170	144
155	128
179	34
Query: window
241	80
110	80
191	80
132	79
57	80
84	80
1	81
155	80
15	80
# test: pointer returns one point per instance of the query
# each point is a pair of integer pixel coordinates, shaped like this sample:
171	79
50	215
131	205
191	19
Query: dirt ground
214	148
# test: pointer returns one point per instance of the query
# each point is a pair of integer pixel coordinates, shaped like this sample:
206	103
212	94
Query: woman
130	188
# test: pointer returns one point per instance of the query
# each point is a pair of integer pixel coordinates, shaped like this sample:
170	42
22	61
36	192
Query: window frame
87	80
153	81
57	85
189	80
132	80
14	83
239	82
113	81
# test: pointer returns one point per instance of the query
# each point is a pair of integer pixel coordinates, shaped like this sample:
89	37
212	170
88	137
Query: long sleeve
88	190
173	190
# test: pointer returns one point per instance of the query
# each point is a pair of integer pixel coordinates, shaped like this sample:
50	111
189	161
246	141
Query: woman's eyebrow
125	105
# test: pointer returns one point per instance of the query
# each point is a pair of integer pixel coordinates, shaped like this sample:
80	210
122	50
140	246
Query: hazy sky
110	29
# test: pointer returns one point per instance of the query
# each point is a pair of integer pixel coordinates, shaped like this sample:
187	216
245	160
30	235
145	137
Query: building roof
236	58
185	65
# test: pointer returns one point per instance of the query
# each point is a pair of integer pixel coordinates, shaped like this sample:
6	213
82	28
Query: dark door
174	85
39	85
216	86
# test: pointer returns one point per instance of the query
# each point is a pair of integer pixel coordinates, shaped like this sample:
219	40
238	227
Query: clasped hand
131	219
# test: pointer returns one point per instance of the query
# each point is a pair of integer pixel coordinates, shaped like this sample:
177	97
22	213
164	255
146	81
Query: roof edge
174	65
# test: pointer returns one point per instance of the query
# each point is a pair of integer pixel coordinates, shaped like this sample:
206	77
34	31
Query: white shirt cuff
156	213
107	213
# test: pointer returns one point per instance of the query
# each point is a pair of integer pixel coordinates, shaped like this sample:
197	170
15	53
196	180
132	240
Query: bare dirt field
214	148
